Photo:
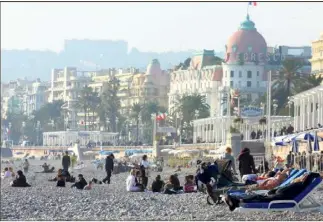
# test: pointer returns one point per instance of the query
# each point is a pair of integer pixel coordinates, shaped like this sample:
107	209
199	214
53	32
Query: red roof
246	42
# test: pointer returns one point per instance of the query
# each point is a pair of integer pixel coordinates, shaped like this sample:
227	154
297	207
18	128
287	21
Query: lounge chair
293	175
304	201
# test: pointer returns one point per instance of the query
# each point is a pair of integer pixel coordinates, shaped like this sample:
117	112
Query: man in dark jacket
66	161
108	168
246	163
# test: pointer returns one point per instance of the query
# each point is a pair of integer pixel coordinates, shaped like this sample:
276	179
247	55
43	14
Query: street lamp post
196	114
10	125
37	130
289	106
180	115
153	118
23	125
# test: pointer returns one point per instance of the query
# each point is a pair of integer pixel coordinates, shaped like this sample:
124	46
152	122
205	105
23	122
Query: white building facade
35	97
308	109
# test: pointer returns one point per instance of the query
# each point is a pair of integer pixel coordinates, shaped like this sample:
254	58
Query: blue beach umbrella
294	146
309	136
316	142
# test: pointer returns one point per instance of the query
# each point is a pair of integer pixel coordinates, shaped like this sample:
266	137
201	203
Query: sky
157	27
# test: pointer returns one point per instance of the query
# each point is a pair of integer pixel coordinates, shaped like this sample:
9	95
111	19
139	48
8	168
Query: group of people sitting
64	176
172	186
19	179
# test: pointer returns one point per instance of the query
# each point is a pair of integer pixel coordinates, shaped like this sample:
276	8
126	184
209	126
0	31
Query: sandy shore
44	201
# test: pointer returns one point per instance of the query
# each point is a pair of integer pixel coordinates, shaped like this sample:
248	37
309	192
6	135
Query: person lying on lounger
254	178
288	192
270	183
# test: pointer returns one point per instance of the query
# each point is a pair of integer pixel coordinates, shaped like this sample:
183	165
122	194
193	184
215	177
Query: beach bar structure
65	138
308	108
215	129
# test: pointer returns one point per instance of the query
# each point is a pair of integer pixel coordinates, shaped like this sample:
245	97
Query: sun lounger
293	175
304	201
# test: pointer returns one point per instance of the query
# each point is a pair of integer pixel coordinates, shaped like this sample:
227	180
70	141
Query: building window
249	74
239	83
249	48
257	73
249	97
226	72
231	83
258	84
248	83
232	74
240	74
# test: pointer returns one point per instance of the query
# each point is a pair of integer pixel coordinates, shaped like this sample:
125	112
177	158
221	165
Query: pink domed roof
246	43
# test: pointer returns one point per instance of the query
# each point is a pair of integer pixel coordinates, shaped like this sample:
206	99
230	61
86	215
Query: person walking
246	163
109	164
66	161
25	166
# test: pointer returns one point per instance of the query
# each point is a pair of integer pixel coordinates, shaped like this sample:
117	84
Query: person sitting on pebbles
46	169
132	184
157	185
6	173
12	173
89	186
20	180
80	184
173	185
60	181
189	185
59	174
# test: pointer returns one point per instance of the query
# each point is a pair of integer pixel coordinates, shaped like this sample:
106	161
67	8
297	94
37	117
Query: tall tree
84	101
111	101
189	106
135	115
94	105
290	77
48	113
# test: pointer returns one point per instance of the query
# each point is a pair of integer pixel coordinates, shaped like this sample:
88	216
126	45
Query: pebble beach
44	201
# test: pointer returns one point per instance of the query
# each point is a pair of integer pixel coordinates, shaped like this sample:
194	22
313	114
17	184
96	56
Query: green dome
247	24
154	62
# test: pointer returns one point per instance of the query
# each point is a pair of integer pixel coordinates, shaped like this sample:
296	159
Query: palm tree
84	101
94	105
189	106
312	81
111	102
135	114
290	77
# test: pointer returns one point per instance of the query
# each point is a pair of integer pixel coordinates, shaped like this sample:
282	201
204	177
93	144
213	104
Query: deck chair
293	175
303	202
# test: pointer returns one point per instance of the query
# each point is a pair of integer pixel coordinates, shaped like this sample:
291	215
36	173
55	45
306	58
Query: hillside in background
85	55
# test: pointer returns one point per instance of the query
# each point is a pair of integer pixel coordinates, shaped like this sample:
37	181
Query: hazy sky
155	26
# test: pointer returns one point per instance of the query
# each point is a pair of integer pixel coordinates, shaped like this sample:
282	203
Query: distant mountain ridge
86	55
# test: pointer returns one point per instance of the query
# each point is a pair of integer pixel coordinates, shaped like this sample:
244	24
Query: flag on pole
161	116
253	3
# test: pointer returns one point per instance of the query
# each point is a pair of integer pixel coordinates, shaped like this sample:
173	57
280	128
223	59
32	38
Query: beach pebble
44	201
